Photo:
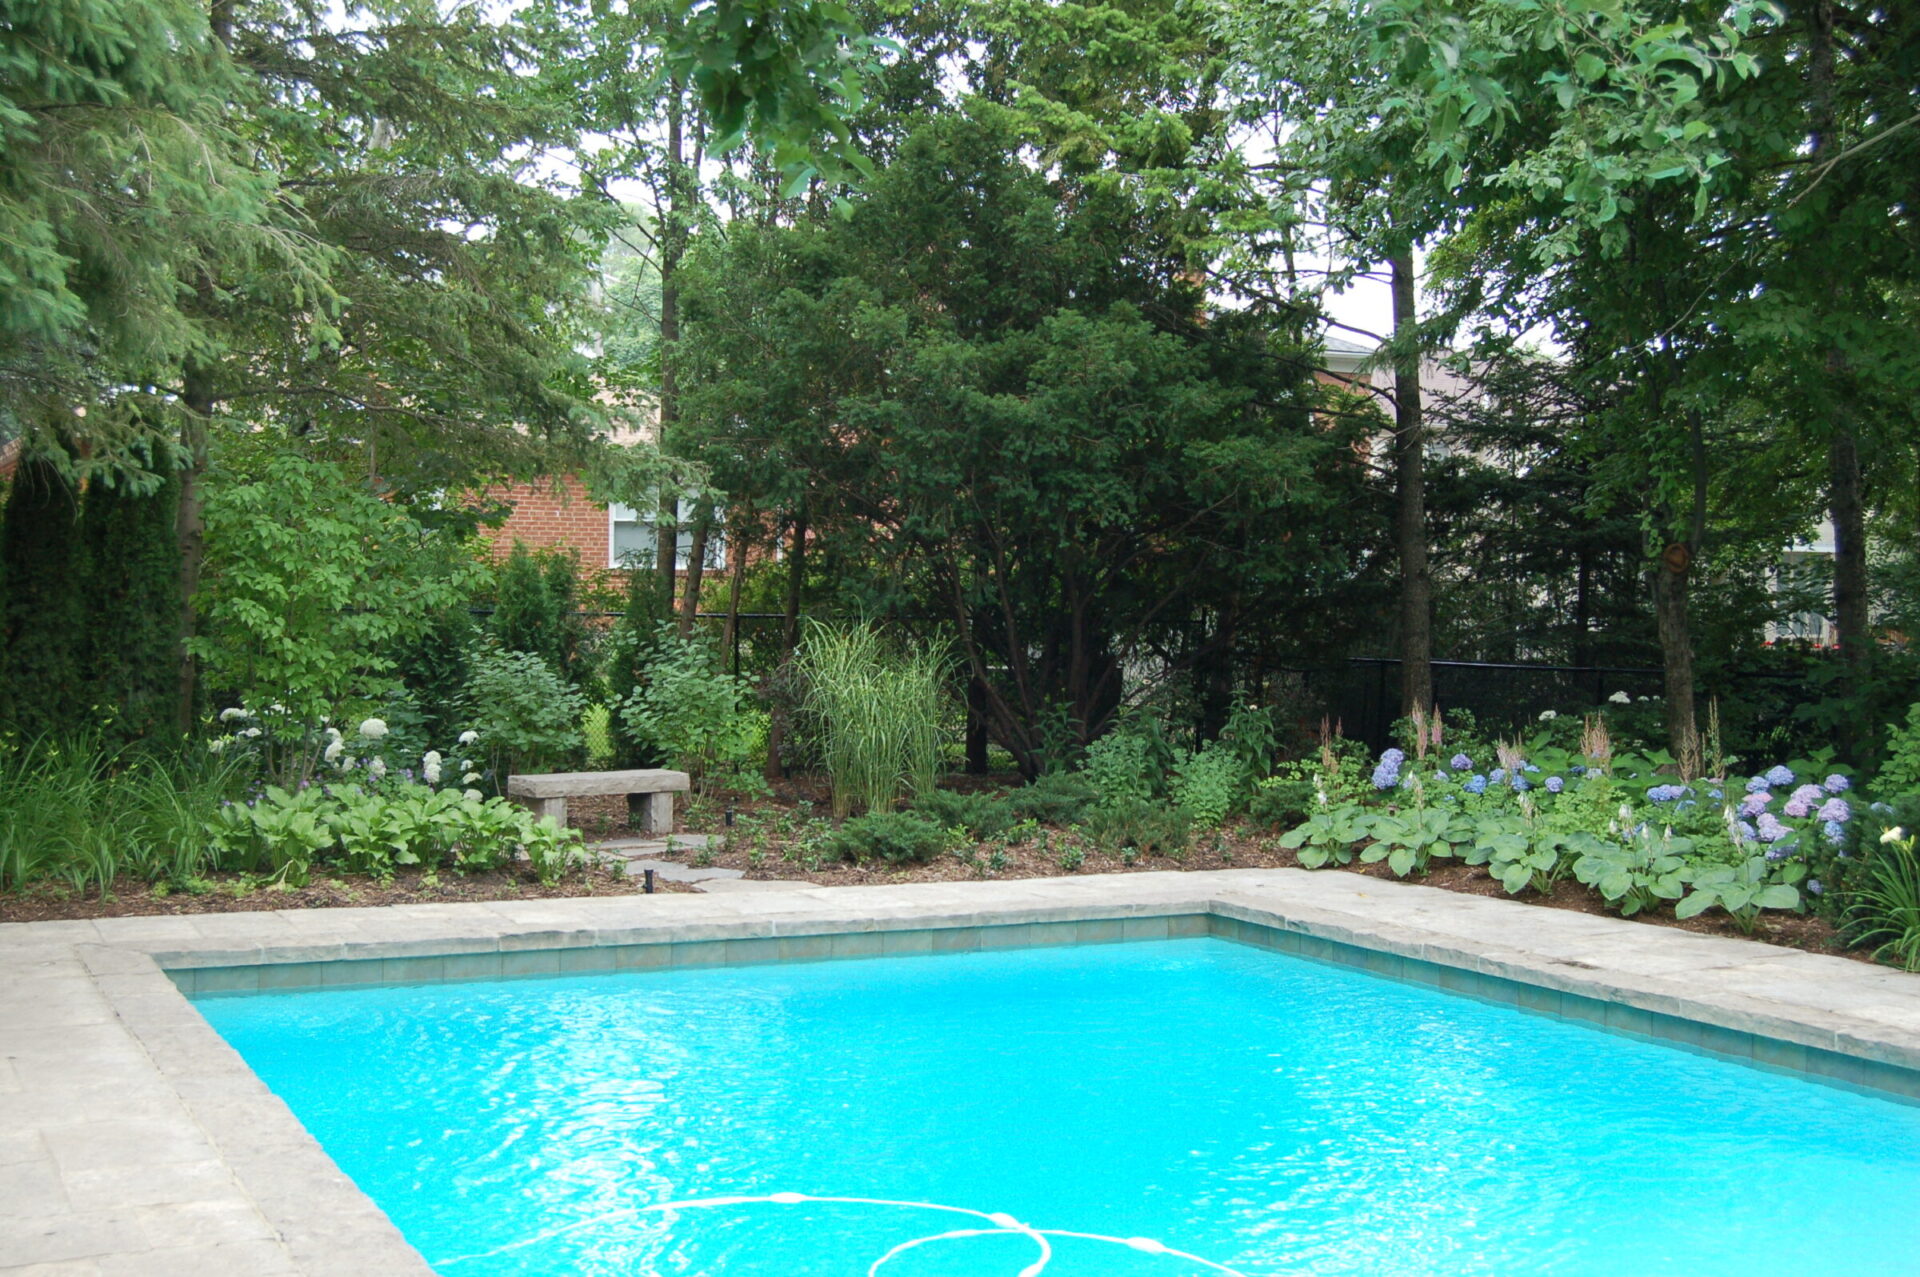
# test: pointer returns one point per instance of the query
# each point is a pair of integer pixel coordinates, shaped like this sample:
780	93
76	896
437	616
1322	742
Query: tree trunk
789	639
1672	579
976	728
1851	614
736	581
1410	482
673	242
197	397
696	569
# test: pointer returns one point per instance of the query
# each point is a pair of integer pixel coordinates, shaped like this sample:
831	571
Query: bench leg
659	812
554	807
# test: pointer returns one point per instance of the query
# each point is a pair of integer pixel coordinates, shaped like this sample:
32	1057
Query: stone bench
547	792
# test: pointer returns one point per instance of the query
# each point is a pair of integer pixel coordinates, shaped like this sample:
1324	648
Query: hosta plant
1742	890
1331	835
1410	840
1637	875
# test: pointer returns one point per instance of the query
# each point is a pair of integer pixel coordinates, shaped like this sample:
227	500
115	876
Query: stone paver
674	871
133	1140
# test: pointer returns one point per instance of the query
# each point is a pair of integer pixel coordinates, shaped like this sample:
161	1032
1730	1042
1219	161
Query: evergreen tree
42	690
132	602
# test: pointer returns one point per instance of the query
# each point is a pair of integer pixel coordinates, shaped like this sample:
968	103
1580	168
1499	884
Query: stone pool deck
134	1141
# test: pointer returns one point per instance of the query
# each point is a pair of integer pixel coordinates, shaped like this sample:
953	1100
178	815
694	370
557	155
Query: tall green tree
43	687
131	643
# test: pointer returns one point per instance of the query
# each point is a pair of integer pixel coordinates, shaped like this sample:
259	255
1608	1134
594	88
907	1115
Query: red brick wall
547	515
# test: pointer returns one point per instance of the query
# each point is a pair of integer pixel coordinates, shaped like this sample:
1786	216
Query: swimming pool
1261	1113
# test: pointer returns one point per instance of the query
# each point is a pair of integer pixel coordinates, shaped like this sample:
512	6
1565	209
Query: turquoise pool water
1261	1113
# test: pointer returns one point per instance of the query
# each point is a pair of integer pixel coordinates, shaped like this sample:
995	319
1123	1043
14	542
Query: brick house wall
554	514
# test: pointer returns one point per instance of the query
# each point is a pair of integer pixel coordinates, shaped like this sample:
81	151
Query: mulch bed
766	855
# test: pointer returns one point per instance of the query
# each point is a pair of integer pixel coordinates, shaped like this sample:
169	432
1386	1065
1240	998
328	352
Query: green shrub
74	812
43	687
1120	765
1900	774
891	837
132	641
1057	798
880	714
691	711
981	815
1209	784
1886	908
528	717
1280	800
534	609
1154	828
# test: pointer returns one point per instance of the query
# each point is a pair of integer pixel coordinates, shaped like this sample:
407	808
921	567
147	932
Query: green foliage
890	837
1209	784
311	582
1152	828
1280	800
133	643
1900	772
43	688
1886	907
1331	835
879	711
1742	890
382	828
982	815
1636	875
534	609
1057	798
1410	839
691	710
528	717
1123	764
81	813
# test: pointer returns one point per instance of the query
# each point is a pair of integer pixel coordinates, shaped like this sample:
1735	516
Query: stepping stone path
642	854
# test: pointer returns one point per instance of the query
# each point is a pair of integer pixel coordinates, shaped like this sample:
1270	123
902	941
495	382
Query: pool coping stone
134	1140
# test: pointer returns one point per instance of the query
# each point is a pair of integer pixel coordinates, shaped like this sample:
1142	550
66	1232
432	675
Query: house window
631	542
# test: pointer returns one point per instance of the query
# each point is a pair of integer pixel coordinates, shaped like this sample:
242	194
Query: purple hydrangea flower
1555	784
1778	775
1835	831
1836	784
1769	829
1798	807
1758	785
1461	763
1835	811
1754	804
1663	793
1746	830
1497	775
1521	784
1813	885
1387	774
1475	785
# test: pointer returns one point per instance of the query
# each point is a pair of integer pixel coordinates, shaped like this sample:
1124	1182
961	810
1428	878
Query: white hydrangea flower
469	778
373	729
277	708
335	747
1548	715
472	795
378	767
1620	698
228	715
469	736
430	767
250	732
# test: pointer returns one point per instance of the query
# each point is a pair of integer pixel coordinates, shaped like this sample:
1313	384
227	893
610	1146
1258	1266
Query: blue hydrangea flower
1521	784
1769	829
1746	830
1476	785
1578	769
1715	793
1461	763
1530	767
1835	811
1835	831
1778	775
1555	784
1497	775
1836	784
1387	774
1813	885
1759	785
1662	794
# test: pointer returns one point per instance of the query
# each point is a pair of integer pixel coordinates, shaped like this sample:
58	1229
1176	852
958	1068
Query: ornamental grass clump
879	710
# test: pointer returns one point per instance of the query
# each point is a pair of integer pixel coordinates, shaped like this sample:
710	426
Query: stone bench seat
547	792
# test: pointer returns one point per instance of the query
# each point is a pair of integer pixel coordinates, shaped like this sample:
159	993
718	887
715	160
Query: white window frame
617	514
